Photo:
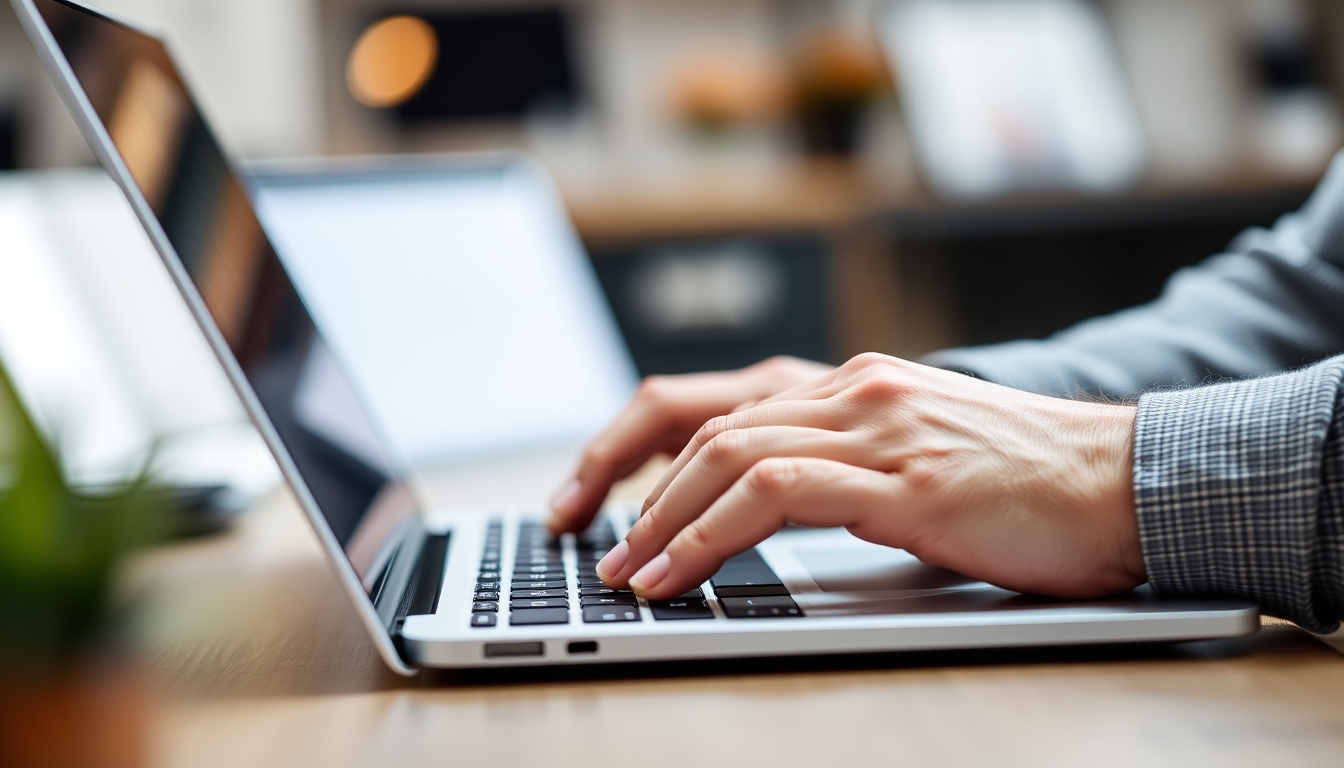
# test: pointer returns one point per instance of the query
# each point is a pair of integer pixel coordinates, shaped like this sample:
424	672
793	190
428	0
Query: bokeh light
392	60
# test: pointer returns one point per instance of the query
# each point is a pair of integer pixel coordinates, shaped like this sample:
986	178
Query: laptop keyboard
538	589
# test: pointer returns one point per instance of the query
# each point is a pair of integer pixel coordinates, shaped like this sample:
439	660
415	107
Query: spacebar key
747	575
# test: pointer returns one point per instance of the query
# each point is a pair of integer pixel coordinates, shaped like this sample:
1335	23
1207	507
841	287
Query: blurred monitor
458	296
1007	96
495	63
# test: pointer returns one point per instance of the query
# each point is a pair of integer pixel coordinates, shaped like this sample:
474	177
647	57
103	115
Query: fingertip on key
652	574
613	562
566	497
563	503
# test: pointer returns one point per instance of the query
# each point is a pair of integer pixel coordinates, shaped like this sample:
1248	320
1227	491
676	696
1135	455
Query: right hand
664	415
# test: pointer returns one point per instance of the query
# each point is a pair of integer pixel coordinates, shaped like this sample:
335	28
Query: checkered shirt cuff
1239	490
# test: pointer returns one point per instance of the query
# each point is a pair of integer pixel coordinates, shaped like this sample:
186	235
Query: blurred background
815	177
748	177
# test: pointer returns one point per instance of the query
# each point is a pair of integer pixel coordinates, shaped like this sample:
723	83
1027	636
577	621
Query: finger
813	414
664	410
714	470
805	491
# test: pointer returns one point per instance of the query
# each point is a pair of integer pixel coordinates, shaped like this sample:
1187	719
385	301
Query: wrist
1114	463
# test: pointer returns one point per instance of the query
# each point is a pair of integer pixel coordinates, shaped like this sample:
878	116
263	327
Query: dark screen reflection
207	216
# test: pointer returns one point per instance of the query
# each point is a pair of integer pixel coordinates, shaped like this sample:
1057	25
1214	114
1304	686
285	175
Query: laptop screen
208	218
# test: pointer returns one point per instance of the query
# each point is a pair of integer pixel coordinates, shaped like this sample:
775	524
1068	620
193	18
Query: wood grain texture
260	661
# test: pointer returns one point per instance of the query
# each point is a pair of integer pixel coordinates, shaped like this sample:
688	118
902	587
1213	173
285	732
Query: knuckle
653	389
867	361
694	536
653	524
723	446
922	475
773	478
881	386
711	429
778	364
597	455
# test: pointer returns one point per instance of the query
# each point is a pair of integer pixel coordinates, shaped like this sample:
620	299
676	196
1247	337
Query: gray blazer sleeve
1239	490
1239	487
1273	302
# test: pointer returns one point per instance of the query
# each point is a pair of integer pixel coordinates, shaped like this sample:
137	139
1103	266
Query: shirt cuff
1228	485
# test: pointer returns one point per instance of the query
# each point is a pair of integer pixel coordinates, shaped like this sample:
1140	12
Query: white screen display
459	300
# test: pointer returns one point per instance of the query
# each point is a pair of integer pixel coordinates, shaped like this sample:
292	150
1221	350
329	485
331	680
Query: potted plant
839	72
67	696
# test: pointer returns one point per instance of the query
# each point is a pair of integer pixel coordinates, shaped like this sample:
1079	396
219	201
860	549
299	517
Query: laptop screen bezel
100	142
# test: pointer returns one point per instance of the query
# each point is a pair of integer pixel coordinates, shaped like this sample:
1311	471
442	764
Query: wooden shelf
835	196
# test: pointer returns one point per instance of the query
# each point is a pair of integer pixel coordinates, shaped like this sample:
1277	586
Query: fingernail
563	499
614	561
652	573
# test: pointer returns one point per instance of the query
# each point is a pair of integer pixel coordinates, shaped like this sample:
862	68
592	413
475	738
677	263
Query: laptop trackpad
855	565
854	577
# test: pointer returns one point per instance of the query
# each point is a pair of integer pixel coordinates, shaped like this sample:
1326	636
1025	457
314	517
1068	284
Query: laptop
490	586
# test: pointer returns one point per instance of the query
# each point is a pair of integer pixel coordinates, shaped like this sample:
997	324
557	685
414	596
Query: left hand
1028	492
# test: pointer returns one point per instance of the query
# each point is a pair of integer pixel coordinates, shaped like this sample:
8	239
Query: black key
480	596
487	606
694	593
747	575
538	567
760	607
490	565
606	614
588	600
483	619
487	586
681	608
523	570
591	581
527	616
603	590
537	594
488	576
552	584
538	576
545	602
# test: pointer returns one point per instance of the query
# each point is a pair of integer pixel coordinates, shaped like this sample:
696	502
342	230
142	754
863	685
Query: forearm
1237	315
1239	490
1270	304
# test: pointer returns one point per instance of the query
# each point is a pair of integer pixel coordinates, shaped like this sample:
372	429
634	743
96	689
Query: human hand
662	417
1028	492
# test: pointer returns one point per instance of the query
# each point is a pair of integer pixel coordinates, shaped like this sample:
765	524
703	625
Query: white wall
254	64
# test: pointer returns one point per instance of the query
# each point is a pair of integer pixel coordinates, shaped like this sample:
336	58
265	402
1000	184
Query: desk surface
260	661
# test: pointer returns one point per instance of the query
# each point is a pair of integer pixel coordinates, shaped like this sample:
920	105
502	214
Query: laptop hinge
421	594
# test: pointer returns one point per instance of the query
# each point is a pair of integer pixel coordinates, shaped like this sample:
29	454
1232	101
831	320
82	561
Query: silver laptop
490	587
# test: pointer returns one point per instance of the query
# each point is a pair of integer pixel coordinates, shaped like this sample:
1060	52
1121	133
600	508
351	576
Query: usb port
582	646
506	650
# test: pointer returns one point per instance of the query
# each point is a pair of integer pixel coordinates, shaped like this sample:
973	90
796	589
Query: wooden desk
261	662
